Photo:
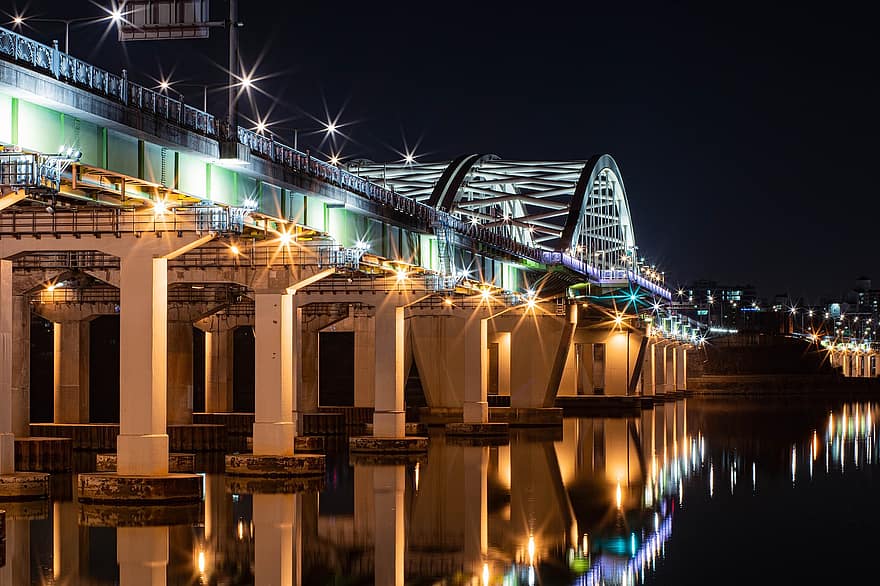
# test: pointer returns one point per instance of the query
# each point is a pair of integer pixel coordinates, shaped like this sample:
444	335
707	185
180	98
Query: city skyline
722	122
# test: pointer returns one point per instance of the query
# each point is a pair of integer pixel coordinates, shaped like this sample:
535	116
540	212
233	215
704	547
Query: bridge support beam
71	380
219	358
180	372
21	358
274	427
681	367
142	447
389	414
22	484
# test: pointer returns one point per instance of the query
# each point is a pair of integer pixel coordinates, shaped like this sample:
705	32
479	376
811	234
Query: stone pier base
388	445
24	485
410	428
176	462
477	429
275	466
273	485
141	490
43	454
104	515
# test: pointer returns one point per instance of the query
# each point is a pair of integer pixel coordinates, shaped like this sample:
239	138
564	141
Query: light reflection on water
597	502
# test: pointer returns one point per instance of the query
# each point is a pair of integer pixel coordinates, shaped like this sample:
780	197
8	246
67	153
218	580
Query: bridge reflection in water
593	503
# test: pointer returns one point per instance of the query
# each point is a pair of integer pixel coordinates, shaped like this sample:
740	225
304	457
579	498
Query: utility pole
234	78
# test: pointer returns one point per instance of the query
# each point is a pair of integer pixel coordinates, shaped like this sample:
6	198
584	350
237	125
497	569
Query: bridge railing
22	50
37	222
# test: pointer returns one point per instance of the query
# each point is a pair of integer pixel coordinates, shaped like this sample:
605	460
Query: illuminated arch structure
574	212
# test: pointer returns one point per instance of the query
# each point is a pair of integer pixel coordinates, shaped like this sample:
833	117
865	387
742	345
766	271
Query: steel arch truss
577	207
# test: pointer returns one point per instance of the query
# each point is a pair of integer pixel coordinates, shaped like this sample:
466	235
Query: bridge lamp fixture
362	245
285	238
401	274
475	220
409	158
234	250
249	204
618	319
485	294
447	301
160	207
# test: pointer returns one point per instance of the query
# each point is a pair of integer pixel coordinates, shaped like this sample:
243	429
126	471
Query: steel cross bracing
576	207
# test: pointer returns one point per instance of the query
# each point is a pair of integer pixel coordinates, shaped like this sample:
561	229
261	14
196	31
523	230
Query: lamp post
115	17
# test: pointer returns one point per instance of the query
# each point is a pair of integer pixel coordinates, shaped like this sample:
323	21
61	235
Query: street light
115	16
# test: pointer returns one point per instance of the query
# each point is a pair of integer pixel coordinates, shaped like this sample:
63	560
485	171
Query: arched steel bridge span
574	213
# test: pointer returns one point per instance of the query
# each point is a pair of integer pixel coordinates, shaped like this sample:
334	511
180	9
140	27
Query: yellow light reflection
201	561
531	550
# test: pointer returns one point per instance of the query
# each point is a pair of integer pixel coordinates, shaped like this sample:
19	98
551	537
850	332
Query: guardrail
201	219
609	276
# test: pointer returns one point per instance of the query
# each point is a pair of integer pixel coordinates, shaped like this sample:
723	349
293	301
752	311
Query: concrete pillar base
43	454
475	412
158	489
301	443
397	445
477	428
7	453
524	416
266	485
380	459
270	465
389	424
24	485
410	428
274	439
177	462
102	515
143	454
478	441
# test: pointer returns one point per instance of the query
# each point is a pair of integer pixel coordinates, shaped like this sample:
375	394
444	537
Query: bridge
520	275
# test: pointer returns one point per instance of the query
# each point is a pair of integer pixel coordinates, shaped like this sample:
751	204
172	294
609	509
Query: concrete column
276	536
71	356
389	416
142	447
142	554
180	372
364	360
21	358
649	372
503	341
681	368
660	367
670	369
219	357
476	370
308	387
389	539
7	439
274	428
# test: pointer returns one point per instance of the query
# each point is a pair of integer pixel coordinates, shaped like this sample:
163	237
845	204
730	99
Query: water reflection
596	502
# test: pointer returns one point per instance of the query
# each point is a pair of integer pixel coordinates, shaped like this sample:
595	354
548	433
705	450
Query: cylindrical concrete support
476	370
681	368
277	536
389	416
274	427
21	374
142	447
219	357
389	539
364	360
7	439
142	554
71	381
180	373
649	373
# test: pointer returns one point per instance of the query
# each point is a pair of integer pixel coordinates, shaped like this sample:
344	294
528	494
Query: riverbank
788	384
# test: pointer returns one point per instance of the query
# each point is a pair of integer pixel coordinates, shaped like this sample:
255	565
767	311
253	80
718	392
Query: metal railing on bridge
117	221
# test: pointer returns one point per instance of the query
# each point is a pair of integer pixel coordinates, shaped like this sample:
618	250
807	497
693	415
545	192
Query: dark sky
745	131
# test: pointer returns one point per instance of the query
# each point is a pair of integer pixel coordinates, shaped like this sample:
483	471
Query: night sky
745	132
